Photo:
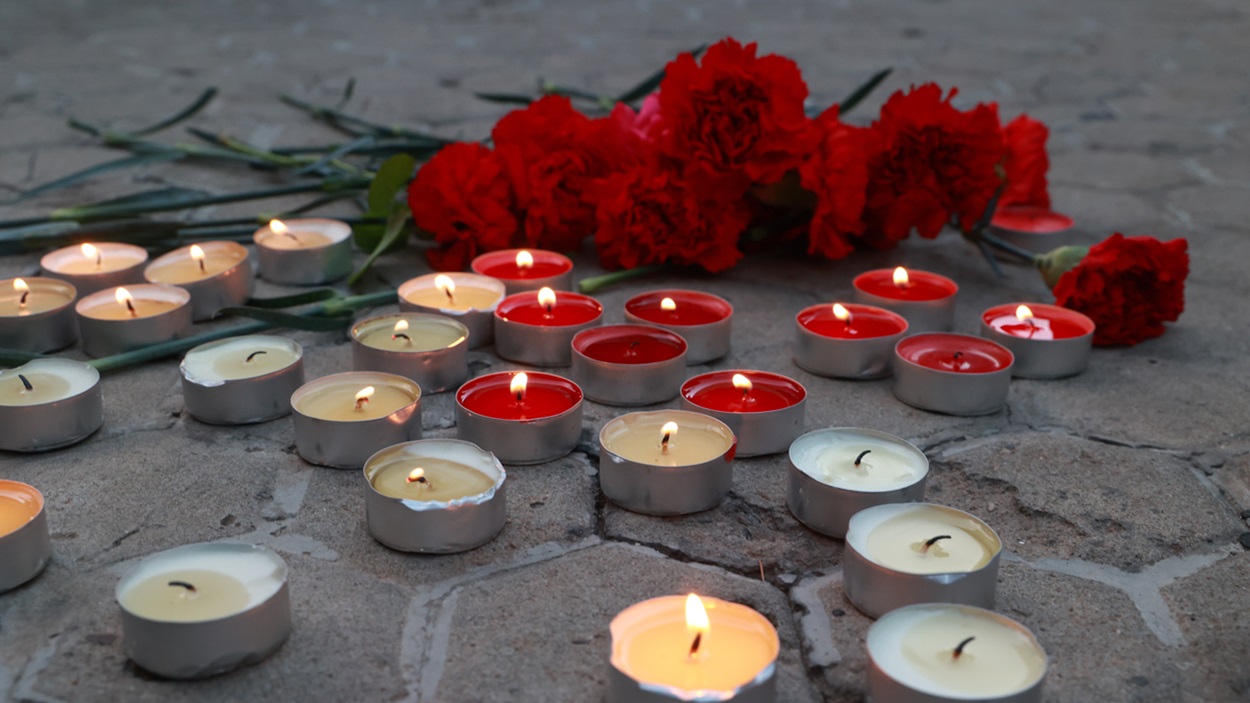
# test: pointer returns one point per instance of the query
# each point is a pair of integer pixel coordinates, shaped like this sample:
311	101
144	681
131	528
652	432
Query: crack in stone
815	628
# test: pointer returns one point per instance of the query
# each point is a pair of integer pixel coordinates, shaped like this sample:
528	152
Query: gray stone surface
1119	493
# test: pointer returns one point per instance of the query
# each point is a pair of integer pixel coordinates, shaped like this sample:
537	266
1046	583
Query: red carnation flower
1129	286
1026	164
652	215
934	163
837	173
464	198
735	115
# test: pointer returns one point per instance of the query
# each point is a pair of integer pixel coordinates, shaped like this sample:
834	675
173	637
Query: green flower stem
1008	247
594	283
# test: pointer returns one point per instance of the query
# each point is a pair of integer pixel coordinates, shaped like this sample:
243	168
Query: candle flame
900	277
401	326
547	298
89	251
668	304
446	285
197	253
840	312
20	286
278	227
518	384
124	297
1024	313
363	397
742	383
416	475
667	432
524	260
696	615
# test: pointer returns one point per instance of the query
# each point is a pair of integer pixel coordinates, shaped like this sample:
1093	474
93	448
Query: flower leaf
392	176
135	203
390	236
289	320
343	150
857	96
185	113
651	82
508	98
115	165
287	301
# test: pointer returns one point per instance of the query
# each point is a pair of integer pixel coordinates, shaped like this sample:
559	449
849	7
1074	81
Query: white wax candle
859	460
916	646
201	582
355	396
195	262
901	536
455	472
693	438
50	380
304	233
239	357
467	291
409	332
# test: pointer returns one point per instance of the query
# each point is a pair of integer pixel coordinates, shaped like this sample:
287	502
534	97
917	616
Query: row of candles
448	495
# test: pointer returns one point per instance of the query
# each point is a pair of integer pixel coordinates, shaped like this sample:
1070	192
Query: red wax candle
526	269
767	392
859	322
955	353
544	395
1040	321
629	344
686	308
1036	220
562	309
919	285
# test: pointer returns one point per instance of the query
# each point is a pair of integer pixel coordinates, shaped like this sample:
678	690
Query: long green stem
594	283
1008	247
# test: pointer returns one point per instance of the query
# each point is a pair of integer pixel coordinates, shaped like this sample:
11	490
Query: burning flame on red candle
840	312
900	277
697	623
668	304
91	252
362	398
124	297
547	299
446	285
524	260
518	384
742	383
197	255
1024	314
23	290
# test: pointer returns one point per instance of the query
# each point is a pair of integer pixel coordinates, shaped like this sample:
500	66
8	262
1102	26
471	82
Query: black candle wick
861	456
25	295
253	355
694	646
26	382
958	354
183	584
401	335
960	649
934	540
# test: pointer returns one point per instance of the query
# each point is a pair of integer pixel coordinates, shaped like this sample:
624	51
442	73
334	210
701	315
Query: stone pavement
1119	493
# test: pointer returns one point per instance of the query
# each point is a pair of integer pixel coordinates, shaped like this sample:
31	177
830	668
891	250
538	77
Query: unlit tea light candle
341	420
688	648
523	270
25	546
49	403
1047	341
125	318
704	320
940	653
435	496
96	267
926	300
305	251
467	298
204	609
242	380
956	374
37	314
216	274
430	349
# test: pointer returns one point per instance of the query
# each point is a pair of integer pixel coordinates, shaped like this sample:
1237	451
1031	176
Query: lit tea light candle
926	300
837	472
96	267
1035	229
304	252
667	462
538	328
216	274
522	270
523	418
126	318
204	609
905	553
956	374
939	653
341	420
435	496
629	364
25	547
467	298
687	648
704	320
1047	341
37	314
430	349
242	380
847	341
764	410
49	403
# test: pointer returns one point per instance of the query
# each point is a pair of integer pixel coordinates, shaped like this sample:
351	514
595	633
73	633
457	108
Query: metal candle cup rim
180	252
1053	311
716	423
34	493
881	513
394	379
40	281
48	262
468	387
904	611
295	348
517	299
335	230
164	292
876	434
855	282
91	387
893	316
506	255
988	345
420	505
726	307
688	387
478	281
131	575
359	328
586	337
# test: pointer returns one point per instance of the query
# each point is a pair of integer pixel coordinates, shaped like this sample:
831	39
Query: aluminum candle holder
827	505
434	368
419	295
1036	229
105	333
629	364
524	335
1063	352
165	642
232	286
704	320
955	374
25	551
48	329
653	488
827	347
927	301
58	419
436	526
96	267
927	654
305	265
519	434
759	431
547	269
876	589
347	444
211	398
